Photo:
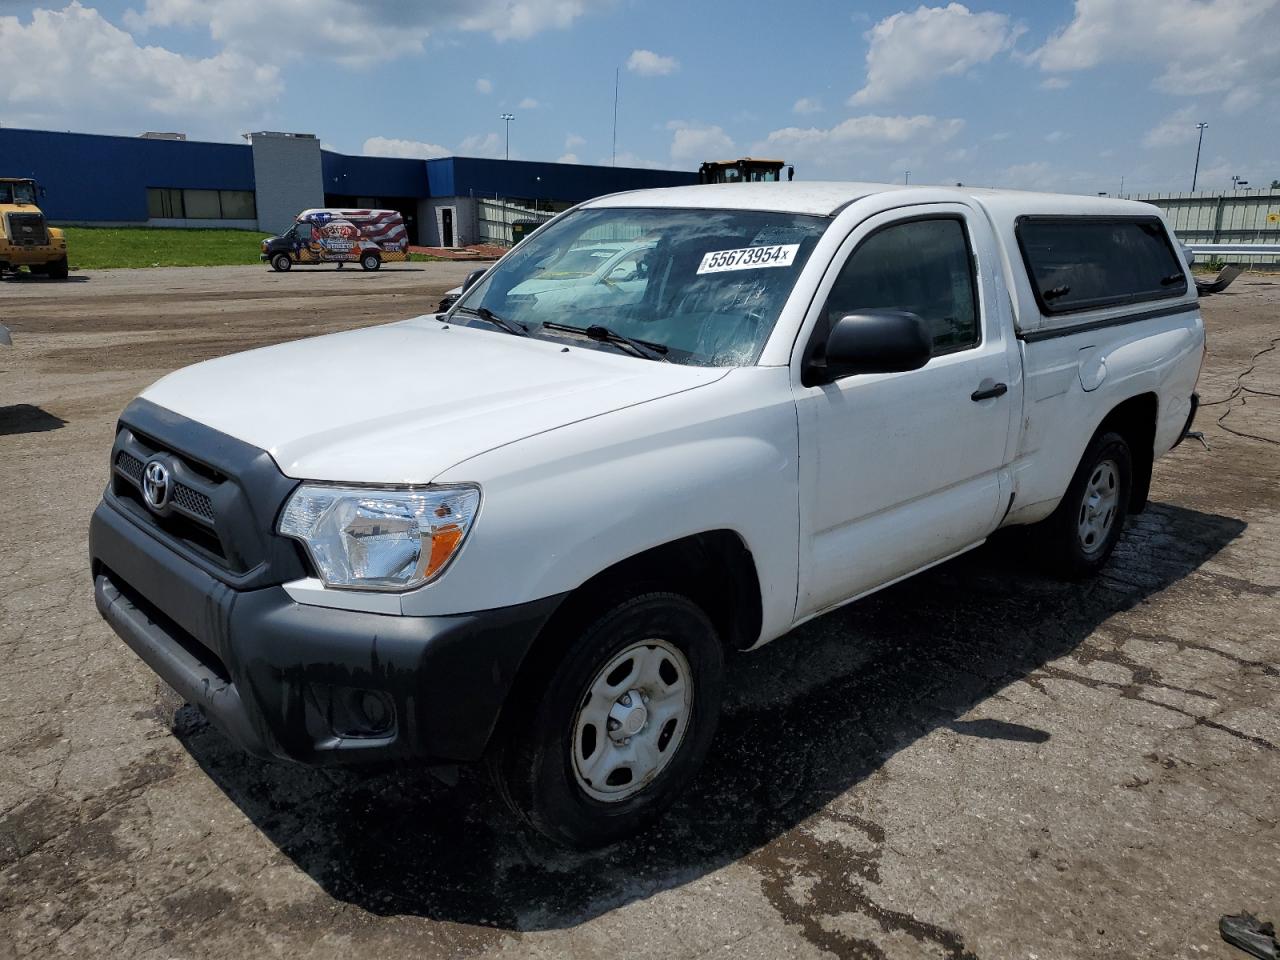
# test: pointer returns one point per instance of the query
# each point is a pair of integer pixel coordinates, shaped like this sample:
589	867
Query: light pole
507	118
1199	142
1238	182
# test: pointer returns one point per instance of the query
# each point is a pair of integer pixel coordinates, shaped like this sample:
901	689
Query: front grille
130	466
223	502
27	230
198	505
194	502
189	515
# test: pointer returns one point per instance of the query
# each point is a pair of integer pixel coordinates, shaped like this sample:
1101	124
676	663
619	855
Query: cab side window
923	266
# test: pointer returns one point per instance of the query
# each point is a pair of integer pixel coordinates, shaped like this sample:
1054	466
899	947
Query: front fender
566	504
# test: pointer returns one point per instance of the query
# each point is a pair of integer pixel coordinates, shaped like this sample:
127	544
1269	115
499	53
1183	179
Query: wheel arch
714	569
1135	419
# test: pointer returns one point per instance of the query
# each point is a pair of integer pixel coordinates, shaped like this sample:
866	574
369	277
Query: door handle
988	390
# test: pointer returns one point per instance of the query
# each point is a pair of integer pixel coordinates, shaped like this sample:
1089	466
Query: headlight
369	539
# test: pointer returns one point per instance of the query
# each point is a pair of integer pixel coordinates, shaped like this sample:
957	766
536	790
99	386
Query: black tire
533	764
370	261
57	270
281	263
1065	548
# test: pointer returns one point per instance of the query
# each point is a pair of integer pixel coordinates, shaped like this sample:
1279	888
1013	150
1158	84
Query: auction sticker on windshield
749	258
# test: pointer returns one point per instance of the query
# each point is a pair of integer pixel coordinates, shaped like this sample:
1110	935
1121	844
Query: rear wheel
1080	534
601	748
370	261
281	263
57	270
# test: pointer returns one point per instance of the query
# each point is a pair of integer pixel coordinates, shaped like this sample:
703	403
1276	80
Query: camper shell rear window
1086	263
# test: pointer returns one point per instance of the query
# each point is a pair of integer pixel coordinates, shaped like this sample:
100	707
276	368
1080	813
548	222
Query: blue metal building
144	181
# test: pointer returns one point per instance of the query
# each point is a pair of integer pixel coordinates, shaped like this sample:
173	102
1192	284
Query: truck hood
404	402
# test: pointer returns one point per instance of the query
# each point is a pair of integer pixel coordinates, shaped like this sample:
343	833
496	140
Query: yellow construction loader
25	239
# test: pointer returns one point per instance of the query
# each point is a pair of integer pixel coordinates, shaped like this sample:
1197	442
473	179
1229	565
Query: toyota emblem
155	485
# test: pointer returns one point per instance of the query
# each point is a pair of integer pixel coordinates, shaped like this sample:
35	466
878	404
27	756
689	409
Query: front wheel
58	270
605	745
1080	534
281	263
370	261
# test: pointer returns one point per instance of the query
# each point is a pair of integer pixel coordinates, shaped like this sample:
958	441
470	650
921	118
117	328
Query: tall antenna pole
1199	143
507	118
617	75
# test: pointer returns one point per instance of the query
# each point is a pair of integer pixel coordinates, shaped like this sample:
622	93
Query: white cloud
528	103
650	64
1056	136
1037	175
335	29
390	147
507	20
1242	98
806	105
482	145
910	50
1054	83
861	147
484	86
1202	46
870	131
1177	128
693	143
92	72
568	158
573	141
626	158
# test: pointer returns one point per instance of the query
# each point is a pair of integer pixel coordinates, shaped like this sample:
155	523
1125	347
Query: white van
337	235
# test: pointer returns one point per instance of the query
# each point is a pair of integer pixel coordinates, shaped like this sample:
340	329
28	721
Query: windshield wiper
484	313
641	348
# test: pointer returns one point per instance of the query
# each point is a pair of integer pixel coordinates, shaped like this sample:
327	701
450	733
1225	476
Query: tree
1275	184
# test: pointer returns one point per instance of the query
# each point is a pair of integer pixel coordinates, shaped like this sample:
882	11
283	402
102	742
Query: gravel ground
979	762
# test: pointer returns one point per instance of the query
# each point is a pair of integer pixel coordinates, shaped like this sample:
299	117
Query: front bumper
310	684
33	256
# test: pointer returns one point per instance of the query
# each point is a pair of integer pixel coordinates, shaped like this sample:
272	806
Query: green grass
101	248
115	248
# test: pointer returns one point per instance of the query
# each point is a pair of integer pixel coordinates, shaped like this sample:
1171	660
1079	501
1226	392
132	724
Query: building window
172	203
164	203
238	205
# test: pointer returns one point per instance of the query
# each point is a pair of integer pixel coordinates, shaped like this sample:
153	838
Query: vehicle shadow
808	717
26	418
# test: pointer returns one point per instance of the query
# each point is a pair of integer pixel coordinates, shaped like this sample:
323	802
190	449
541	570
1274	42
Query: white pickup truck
530	534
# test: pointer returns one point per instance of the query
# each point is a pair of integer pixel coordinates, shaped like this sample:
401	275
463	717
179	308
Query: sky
1082	97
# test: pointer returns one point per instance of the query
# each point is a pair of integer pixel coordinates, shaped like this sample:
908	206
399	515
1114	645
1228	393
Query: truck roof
826	198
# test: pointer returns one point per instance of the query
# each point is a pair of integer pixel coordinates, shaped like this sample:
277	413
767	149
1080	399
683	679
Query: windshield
706	284
17	193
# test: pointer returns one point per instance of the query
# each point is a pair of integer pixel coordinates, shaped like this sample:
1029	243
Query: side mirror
472	279
875	341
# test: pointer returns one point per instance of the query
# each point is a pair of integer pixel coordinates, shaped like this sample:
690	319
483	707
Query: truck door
903	469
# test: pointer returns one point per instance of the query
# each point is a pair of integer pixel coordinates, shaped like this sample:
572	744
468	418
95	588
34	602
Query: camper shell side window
1086	263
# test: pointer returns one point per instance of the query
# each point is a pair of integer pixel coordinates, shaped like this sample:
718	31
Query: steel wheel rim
631	720
1098	507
